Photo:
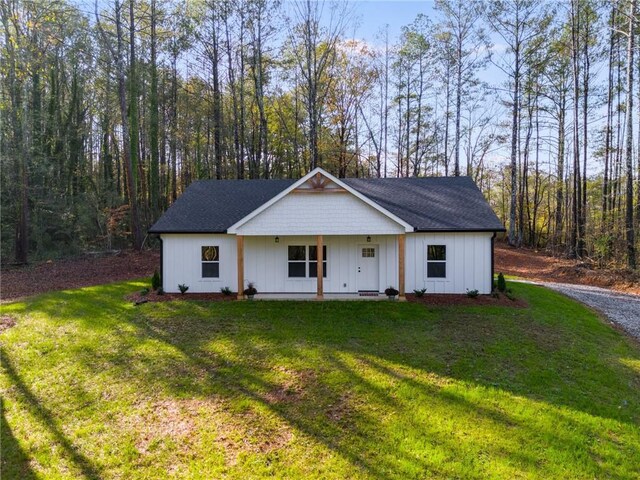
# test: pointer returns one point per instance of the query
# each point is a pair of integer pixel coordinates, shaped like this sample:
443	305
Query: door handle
358	269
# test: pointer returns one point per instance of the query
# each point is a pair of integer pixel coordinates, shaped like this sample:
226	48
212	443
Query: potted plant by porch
391	293
250	291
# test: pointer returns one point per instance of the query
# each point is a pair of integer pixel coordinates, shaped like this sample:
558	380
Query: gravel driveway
621	308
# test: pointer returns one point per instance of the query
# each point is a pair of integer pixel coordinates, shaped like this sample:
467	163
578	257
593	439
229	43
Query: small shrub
509	294
144	291
160	291
251	289
502	283
495	294
183	288
391	292
226	291
472	293
156	282
420	293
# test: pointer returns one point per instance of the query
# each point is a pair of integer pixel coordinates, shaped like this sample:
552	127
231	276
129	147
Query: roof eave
453	230
160	232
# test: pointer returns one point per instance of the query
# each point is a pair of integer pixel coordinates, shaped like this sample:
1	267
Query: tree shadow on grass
14	462
247	376
46	419
481	350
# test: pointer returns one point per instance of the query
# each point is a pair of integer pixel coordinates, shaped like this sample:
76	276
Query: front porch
335	267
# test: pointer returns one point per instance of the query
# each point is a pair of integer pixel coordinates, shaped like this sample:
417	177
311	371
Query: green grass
94	387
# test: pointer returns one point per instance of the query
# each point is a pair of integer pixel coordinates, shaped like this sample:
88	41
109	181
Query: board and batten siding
266	263
320	214
468	262
182	263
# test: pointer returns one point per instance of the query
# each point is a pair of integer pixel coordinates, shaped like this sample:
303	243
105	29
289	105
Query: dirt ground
539	266
90	270
17	282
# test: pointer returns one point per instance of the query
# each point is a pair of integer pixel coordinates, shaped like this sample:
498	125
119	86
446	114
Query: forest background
109	110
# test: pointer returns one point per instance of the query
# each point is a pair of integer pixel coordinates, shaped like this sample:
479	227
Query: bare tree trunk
386	97
608	130
631	248
154	185
456	167
18	144
577	186
132	171
514	146
582	249
234	98
446	120
560	170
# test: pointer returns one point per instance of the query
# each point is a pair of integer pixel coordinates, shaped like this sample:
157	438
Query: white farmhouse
321	234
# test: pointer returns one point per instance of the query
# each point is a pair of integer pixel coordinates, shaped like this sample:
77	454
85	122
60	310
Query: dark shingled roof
212	206
432	203
429	204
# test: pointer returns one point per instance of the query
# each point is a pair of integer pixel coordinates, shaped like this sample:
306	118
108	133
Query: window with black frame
297	261
210	261
436	261
313	261
303	261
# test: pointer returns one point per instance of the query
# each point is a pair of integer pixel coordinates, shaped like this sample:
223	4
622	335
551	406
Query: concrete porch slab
312	296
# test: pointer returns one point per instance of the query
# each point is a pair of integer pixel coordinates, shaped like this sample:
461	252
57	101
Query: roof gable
322	181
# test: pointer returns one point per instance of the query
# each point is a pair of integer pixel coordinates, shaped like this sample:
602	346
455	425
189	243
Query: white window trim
210	279
306	262
446	277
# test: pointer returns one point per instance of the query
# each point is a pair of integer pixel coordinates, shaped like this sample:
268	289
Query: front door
368	268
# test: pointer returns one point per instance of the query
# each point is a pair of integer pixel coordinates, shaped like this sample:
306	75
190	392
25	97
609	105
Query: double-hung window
313	261
436	261
297	261
210	261
303	261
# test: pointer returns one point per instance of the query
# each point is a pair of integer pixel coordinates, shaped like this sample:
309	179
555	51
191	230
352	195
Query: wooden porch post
240	255
320	269
401	274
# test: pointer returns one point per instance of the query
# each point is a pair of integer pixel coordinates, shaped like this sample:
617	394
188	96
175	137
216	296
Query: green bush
226	291
161	291
502	283
420	293
144	291
183	288
472	293
156	282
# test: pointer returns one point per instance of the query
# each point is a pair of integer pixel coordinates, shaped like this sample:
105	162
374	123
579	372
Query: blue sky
372	15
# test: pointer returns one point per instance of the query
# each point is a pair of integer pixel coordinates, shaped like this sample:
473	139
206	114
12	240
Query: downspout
492	261
162	261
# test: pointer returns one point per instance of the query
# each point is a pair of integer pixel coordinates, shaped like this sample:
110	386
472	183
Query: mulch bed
84	271
447	300
138	298
427	299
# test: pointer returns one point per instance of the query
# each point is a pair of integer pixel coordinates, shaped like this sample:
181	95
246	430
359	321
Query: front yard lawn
94	387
